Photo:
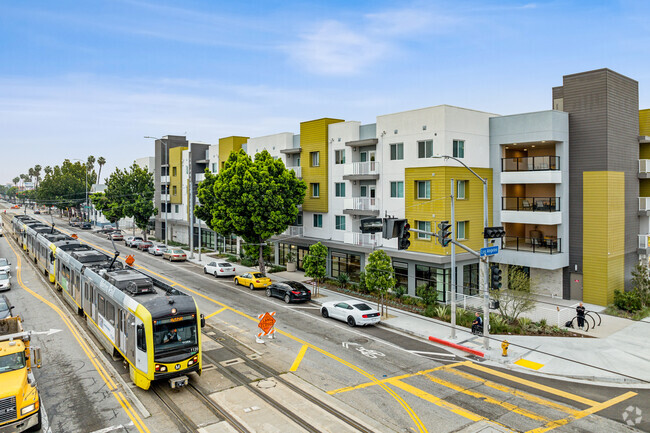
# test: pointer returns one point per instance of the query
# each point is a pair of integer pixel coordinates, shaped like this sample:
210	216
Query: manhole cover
358	340
266	383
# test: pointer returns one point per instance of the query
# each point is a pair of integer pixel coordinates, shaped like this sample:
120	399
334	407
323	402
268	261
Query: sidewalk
620	347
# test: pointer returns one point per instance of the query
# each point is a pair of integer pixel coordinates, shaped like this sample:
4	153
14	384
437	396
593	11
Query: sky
90	77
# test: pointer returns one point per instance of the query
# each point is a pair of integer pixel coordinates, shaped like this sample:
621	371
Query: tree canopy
315	263
66	185
254	199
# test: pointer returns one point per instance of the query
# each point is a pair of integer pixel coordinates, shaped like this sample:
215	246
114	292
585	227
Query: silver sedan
158	250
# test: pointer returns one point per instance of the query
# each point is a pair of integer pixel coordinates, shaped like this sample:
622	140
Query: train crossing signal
444	233
494	232
495	279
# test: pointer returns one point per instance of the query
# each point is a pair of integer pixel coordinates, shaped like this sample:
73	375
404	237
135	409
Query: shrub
628	301
343	280
443	311
399	292
543	323
275	268
362	283
464	317
232	258
430	311
247	261
498	324
427	293
408	300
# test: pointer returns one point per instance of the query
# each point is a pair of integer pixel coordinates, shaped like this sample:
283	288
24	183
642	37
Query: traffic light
402	228
444	234
495	279
494	232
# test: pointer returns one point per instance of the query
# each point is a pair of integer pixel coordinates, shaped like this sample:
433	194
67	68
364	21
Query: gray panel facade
161	153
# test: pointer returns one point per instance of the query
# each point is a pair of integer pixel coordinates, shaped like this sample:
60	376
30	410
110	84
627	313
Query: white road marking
419	352
347	345
113	428
50	332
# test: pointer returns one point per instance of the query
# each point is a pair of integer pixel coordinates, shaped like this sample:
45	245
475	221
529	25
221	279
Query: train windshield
15	361
171	336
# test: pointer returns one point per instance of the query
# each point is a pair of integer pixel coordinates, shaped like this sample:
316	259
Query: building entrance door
576	286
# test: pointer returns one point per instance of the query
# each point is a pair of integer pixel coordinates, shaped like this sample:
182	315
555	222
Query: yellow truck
20	405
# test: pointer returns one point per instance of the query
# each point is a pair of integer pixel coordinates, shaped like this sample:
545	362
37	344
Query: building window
176	208
424	189
461	229
401	274
397	189
461	188
315	190
214	167
340	189
397	151
315	159
174	190
470	279
459	148
173	171
432	279
339	156
343	263
424	226
318	220
425	149
340	222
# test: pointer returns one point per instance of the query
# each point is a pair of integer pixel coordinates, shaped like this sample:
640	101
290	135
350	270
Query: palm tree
31	174
25	178
37	173
91	163
101	161
48	170
15	180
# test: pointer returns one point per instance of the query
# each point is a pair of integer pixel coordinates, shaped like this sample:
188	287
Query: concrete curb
457	346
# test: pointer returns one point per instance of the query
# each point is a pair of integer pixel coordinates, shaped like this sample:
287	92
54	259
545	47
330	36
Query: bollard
504	346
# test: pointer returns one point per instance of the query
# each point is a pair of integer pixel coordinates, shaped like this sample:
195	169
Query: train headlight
27	409
161	368
192	361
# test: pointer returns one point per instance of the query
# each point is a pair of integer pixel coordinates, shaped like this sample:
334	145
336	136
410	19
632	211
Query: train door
140	346
122	330
130	337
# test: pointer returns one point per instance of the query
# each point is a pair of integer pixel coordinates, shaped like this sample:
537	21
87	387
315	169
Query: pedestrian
477	324
580	311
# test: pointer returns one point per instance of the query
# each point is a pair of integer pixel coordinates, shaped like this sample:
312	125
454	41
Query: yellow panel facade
315	141
176	175
468	210
603	243
228	145
644	122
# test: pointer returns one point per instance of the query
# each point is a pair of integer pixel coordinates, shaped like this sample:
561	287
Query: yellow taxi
254	280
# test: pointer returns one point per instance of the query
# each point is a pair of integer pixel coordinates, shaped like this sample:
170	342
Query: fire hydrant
504	346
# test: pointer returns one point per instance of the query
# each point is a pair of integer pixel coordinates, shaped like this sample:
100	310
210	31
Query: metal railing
293	231
361	203
361	168
297	170
644	203
361	239
543	245
535	204
644	166
644	241
530	163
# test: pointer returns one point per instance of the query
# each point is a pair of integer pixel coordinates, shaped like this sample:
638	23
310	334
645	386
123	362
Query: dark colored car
37	212
145	245
85	225
290	291
5	307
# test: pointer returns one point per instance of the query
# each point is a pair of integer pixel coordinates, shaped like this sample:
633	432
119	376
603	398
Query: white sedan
352	312
5	265
220	269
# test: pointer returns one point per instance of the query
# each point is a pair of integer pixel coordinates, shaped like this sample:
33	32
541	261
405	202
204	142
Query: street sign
372	225
489	251
266	323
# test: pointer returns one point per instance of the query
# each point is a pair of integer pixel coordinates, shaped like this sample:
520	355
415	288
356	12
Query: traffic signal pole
452	291
483	272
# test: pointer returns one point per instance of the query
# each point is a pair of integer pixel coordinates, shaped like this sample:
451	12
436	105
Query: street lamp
164	141
483	261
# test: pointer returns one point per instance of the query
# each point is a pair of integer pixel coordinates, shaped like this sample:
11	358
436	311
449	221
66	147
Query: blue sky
94	77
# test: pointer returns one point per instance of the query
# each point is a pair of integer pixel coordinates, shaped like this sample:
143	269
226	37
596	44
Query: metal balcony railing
544	245
362	203
297	170
644	203
644	241
534	204
530	163
361	239
361	168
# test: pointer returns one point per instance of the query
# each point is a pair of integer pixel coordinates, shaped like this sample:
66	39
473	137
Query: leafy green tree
518	298
207	199
641	282
380	275
112	211
253	199
315	264
65	186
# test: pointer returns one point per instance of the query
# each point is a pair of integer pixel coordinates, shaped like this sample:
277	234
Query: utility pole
191	199
452	292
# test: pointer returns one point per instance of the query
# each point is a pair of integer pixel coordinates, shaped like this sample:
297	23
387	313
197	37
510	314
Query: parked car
133	241
145	245
5	265
85	225
289	291
74	222
5	307
352	312
15	206
37	212
158	250
175	255
115	235
5	281
254	280
220	268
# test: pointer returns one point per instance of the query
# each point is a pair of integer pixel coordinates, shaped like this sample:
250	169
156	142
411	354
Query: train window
100	305
141	341
110	313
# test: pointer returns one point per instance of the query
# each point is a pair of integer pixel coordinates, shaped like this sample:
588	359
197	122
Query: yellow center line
298	359
488	399
414	417
108	380
596	408
535	385
216	312
404	376
513	391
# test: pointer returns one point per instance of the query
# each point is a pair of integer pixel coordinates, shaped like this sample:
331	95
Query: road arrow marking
347	345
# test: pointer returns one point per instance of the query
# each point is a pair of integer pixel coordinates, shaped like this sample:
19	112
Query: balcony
361	206
644	169
361	239
297	169
644	206
199	177
164	197
292	231
530	163
542	245
164	179
531	204
644	244
361	170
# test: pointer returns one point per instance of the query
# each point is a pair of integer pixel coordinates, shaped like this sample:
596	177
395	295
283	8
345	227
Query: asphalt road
404	383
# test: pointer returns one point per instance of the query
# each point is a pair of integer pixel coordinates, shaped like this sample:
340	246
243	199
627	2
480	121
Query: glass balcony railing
297	170
543	245
533	204
531	163
644	241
